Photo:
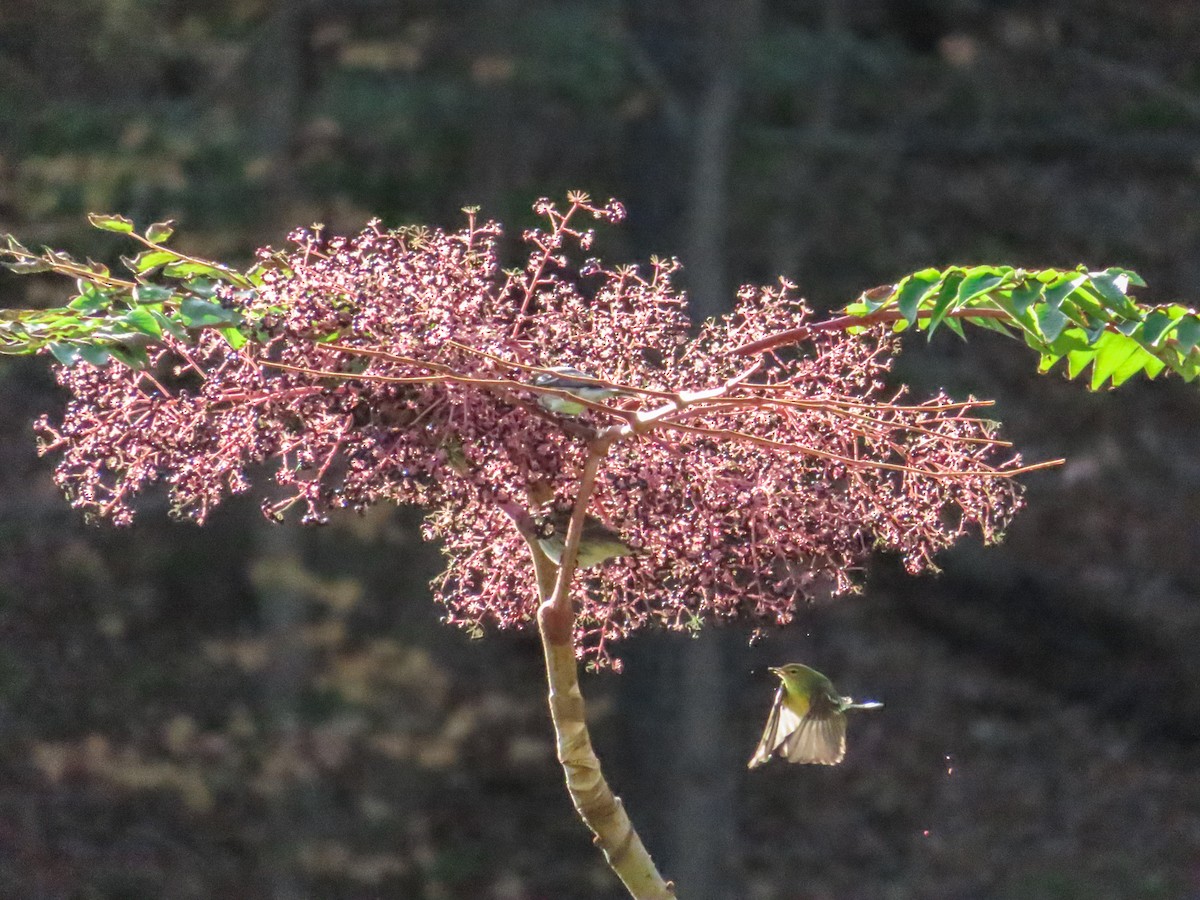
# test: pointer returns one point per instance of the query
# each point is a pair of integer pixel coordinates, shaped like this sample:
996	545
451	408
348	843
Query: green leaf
148	259
119	224
90	300
160	232
913	289
1077	361
1153	366
169	325
1058	291
1094	330
1025	295
1112	285
1140	361
151	293
1135	280
234	338
205	288
1071	340
197	313
189	268
1051	322
1047	361
1113	350
100	270
956	326
95	354
143	320
1128	326
133	357
1155	326
981	280
1084	308
945	301
1187	333
67	354
990	324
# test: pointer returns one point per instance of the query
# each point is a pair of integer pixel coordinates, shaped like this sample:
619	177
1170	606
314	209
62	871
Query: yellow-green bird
597	543
576	384
807	723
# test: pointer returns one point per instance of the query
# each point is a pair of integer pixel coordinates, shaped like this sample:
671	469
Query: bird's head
792	670
798	679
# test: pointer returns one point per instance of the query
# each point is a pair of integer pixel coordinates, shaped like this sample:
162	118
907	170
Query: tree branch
600	809
841	323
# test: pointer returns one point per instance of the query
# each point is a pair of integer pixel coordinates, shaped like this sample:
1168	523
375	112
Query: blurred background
245	711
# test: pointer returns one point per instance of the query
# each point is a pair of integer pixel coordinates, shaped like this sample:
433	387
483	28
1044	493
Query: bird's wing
817	739
781	723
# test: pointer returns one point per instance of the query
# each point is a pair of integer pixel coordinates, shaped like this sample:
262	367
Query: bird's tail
865	704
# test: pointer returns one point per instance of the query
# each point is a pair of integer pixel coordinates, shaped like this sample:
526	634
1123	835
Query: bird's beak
775	670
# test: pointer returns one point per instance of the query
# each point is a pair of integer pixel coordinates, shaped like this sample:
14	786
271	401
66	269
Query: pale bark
600	809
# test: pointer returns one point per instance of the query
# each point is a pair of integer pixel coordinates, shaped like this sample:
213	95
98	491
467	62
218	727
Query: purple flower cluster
397	366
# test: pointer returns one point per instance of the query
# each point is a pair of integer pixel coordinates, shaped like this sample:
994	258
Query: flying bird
807	723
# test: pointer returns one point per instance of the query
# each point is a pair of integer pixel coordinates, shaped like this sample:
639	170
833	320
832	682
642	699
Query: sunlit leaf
1155	326
1060	289
913	289
1187	333
89	300
980	280
944	301
160	231
1051	322
119	224
1112	286
1113	350
189	268
143	320
1078	360
234	338
148	259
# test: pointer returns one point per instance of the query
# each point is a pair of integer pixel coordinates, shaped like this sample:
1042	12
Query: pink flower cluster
396	366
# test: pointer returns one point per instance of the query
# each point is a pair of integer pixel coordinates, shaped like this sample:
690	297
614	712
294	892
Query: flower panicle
398	365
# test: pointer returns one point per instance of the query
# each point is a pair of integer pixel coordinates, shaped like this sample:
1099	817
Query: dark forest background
247	711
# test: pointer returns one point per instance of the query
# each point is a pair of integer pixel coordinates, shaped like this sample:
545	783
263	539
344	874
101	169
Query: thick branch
600	809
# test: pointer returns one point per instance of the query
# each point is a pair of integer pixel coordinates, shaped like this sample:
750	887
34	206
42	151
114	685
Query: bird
807	723
578	384
597	544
